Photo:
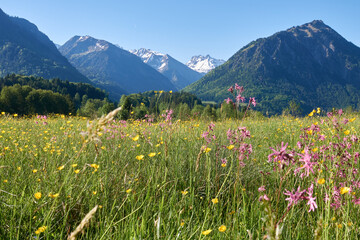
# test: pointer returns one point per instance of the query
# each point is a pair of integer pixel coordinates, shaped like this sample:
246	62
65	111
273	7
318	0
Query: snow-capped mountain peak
157	60
204	64
178	73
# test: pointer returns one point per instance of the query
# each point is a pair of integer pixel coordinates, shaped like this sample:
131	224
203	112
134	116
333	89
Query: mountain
25	50
112	68
204	64
310	64
179	74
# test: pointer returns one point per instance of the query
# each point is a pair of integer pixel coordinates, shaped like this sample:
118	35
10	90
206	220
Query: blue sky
183	28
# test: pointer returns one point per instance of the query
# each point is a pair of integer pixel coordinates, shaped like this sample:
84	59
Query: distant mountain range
204	64
179	74
112	68
25	50
310	64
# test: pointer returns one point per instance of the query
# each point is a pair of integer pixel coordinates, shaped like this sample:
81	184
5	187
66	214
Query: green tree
126	108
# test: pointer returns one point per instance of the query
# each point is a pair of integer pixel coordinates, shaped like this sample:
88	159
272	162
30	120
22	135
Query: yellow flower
61	167
170	91
5	181
184	192
140	157
96	166
94	192
207	150
129	190
311	114
182	223
207	232
74	165
135	138
76	171
54	195
40	230
344	190
321	181
215	200
318	110
351	120
222	228
37	195
223	164
15	115
152	154
230	147
2	113
347	132
315	149
34	171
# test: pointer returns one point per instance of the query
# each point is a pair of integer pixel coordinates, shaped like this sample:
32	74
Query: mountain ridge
178	73
108	66
25	50
311	64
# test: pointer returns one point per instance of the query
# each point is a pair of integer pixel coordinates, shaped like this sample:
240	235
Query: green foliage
30	95
55	85
228	110
26	100
95	108
126	108
293	109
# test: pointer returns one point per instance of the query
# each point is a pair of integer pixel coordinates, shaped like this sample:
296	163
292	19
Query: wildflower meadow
71	177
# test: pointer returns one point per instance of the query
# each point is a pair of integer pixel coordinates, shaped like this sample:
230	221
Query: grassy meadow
174	179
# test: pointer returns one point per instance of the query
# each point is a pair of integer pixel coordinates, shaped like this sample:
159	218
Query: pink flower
228	100
231	89
322	137
279	155
263	197
240	98
294	197
307	164
356	201
311	200
238	88
261	189
253	102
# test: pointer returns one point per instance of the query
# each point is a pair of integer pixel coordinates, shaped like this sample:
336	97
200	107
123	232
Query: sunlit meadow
275	178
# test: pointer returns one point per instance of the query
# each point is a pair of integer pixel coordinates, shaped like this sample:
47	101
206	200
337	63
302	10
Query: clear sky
183	28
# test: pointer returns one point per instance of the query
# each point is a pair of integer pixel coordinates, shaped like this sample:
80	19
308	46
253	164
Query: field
273	178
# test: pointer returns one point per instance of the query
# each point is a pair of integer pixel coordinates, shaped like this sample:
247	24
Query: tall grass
166	181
